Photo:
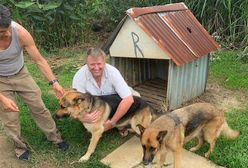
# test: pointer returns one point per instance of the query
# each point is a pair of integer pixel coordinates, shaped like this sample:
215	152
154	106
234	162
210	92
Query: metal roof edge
136	12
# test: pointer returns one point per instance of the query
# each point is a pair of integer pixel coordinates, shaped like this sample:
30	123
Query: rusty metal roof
175	29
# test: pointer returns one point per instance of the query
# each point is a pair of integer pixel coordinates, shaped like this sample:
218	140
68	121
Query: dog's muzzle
59	115
146	162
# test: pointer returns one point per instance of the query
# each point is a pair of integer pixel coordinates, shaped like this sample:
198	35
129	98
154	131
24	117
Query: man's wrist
112	123
51	82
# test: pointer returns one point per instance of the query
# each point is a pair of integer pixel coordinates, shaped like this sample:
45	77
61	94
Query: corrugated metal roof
175	29
135	12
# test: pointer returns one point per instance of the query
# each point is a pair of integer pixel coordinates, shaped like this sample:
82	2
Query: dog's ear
91	99
141	128
89	96
70	90
161	136
66	103
79	98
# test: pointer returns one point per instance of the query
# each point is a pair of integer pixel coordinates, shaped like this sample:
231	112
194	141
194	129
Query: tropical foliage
63	23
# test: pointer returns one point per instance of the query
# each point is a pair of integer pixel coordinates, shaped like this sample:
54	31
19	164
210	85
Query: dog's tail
229	132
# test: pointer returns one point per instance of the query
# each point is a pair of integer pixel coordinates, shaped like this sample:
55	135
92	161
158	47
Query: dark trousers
114	100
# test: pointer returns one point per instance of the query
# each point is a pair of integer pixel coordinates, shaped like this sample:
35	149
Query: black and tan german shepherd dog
173	130
75	104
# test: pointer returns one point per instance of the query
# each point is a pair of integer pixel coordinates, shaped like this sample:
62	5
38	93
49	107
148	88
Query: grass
233	75
223	68
230	72
233	153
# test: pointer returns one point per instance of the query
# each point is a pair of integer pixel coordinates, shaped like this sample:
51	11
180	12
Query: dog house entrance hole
147	76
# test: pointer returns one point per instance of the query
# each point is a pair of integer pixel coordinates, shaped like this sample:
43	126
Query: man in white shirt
101	79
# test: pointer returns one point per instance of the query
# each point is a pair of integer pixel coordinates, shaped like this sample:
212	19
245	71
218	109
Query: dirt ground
215	94
221	97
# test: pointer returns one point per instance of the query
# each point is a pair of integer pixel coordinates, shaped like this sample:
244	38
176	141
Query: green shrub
64	23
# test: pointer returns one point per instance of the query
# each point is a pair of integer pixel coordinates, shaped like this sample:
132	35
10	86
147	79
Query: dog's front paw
207	154
84	158
193	149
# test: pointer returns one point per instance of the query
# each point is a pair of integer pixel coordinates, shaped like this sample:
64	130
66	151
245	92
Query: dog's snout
60	113
56	116
60	117
151	158
146	162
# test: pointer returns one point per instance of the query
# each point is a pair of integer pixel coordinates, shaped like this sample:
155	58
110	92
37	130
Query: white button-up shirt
112	82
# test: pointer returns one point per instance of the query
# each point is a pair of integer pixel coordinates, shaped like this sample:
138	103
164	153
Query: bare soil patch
221	97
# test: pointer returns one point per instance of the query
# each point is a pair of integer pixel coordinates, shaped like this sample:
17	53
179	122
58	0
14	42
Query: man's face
5	32
96	65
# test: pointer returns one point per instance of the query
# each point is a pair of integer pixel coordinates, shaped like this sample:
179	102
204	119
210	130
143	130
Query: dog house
162	51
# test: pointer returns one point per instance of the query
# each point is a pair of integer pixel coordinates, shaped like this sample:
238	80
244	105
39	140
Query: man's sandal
123	132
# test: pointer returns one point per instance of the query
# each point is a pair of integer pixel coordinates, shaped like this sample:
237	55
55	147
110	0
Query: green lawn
231	154
233	75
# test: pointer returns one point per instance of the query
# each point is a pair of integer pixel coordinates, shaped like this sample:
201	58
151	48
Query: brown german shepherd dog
75	104
173	130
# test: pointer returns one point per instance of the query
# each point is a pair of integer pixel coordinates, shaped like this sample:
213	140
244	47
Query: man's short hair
95	52
5	16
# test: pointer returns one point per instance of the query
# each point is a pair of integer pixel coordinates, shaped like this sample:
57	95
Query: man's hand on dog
59	91
91	117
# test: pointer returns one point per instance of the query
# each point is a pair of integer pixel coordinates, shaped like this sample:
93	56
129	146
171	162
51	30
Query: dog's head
74	104
151	140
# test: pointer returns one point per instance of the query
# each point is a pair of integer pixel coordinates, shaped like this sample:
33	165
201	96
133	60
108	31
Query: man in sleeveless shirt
15	79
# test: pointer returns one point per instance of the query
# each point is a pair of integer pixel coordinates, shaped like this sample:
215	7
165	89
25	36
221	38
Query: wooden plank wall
154	92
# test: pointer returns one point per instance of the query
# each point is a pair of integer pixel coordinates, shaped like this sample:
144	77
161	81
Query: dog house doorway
147	76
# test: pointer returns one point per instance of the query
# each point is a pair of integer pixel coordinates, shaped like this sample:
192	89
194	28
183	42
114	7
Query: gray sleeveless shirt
11	59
